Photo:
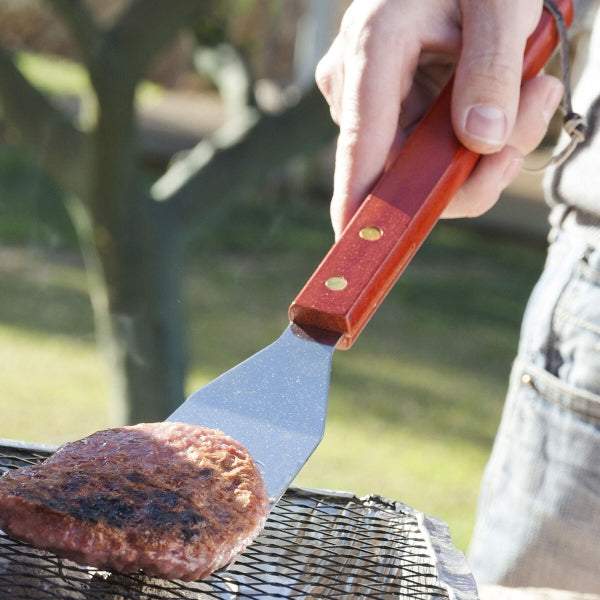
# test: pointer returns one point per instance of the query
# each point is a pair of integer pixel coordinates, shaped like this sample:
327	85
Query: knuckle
371	31
323	75
493	80
491	70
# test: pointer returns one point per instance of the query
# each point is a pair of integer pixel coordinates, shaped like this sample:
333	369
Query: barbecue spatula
275	402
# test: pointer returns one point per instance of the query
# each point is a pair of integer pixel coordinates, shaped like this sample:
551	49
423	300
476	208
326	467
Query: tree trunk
147	343
138	315
139	254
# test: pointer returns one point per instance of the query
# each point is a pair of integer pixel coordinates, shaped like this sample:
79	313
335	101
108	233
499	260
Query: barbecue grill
316	544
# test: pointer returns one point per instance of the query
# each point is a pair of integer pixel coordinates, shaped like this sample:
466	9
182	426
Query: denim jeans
538	521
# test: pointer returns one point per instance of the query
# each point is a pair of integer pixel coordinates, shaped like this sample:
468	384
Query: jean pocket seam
567	316
552	389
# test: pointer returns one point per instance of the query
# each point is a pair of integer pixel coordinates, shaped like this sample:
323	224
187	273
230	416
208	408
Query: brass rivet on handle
336	283
371	234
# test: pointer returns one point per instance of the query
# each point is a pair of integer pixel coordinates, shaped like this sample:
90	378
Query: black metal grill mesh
314	545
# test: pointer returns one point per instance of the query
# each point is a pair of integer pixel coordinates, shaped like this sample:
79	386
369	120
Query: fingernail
552	101
486	123
511	172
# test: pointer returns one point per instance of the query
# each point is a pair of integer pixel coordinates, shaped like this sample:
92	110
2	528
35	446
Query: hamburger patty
174	500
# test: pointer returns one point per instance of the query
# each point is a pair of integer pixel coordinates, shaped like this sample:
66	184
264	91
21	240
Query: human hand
390	60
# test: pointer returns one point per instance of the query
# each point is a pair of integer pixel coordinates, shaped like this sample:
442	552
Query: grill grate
315	545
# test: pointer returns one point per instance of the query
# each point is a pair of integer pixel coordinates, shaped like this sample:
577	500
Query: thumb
488	75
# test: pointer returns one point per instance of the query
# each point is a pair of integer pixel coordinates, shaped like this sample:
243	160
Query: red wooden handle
398	214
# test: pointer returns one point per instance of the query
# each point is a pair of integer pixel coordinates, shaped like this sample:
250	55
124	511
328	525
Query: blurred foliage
263	31
31	206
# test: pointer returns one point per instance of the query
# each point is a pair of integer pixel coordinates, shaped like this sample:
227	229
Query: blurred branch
82	25
226	68
50	136
145	28
221	167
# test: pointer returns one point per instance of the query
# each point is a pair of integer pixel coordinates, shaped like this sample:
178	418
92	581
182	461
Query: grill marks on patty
131	505
130	498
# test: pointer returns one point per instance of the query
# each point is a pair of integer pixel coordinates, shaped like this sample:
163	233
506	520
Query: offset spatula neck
274	403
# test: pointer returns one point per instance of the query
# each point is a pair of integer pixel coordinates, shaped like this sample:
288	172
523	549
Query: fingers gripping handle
398	214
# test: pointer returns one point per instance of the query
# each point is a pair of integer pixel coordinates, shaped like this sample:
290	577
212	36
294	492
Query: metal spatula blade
273	403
